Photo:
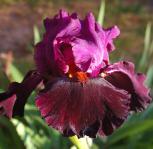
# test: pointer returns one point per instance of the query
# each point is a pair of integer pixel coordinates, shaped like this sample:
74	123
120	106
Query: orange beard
81	76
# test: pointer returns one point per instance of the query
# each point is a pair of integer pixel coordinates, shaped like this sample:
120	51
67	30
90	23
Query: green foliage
101	13
149	80
147	48
37	36
9	136
130	129
16	75
145	62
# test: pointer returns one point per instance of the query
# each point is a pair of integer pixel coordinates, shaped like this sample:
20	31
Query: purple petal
123	76
46	55
88	48
12	101
107	36
75	108
110	34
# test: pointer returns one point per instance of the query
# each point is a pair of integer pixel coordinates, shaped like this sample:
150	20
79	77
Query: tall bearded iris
83	94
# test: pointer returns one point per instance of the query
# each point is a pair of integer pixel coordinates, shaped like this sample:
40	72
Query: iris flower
83	94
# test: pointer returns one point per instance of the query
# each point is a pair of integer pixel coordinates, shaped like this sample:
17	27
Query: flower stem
79	143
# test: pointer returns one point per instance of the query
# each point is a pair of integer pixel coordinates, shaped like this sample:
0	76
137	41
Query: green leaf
36	34
147	39
1	90
8	135
148	113
101	14
130	129
147	43
30	137
151	48
149	80
16	75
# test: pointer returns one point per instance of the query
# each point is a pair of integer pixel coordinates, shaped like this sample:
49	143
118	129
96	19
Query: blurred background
21	26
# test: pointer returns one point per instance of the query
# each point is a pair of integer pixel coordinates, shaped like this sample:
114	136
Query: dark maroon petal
123	76
110	122
92	130
40	56
12	102
75	108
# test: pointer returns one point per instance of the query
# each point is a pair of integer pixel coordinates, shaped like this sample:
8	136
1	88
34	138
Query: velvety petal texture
83	109
123	76
12	102
71	44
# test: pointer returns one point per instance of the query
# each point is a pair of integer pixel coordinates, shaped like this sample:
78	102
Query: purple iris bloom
71	44
83	94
